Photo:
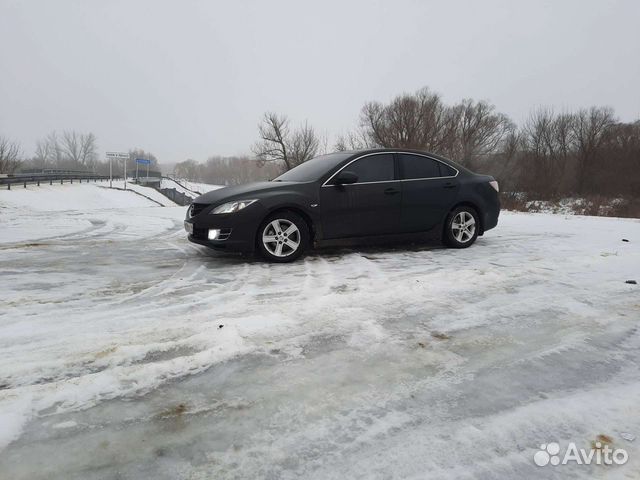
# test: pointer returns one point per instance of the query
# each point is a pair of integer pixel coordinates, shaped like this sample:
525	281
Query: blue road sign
143	161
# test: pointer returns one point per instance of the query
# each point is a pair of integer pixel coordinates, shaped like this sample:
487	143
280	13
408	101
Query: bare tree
621	150
467	132
355	140
590	129
79	149
418	120
479	131
9	155
548	143
272	146
506	164
219	170
303	145
585	152
189	170
49	151
280	145
44	153
237	170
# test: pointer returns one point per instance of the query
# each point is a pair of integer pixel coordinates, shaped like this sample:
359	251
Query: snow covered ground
126	352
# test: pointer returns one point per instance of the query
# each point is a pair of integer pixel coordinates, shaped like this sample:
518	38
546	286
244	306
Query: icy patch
67	424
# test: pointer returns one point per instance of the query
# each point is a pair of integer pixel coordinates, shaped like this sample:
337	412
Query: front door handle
391	191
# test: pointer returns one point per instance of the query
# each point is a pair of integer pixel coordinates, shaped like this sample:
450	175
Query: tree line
218	170
582	152
552	154
69	150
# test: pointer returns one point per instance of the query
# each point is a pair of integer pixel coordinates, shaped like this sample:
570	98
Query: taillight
495	185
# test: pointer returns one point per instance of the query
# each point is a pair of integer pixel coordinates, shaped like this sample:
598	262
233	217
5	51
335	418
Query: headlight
232	207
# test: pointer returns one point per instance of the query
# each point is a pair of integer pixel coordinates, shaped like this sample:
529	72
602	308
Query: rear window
447	171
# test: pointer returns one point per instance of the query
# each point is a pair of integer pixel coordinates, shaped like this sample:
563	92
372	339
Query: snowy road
126	352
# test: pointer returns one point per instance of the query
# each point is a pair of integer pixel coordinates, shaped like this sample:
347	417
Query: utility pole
124	162
110	173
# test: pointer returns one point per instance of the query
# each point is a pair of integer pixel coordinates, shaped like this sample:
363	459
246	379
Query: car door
429	190
371	206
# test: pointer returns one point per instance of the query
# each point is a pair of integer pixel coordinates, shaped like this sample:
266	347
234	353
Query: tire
278	234
456	236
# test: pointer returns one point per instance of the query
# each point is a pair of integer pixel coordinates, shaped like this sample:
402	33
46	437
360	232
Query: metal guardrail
51	171
44	178
25	179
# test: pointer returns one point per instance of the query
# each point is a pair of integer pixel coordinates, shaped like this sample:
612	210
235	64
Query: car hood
248	191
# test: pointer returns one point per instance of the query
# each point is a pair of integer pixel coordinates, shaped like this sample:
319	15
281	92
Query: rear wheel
283	237
462	227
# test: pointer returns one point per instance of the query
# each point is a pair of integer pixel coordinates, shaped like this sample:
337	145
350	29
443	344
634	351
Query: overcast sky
189	79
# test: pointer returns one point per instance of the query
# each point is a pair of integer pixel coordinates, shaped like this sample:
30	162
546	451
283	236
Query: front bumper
225	245
243	225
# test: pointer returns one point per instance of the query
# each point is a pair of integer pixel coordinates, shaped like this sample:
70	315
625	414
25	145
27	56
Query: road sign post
143	161
118	156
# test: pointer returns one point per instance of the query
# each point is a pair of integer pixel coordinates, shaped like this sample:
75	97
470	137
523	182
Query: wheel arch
298	211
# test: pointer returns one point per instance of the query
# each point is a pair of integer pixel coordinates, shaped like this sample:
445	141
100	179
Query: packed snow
127	352
27	214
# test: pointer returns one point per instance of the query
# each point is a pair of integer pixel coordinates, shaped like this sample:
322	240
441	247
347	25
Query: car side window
416	166
446	171
373	168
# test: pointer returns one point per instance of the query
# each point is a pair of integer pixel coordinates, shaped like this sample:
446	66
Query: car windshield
313	169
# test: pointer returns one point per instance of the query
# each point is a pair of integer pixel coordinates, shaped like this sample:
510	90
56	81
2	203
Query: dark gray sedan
346	195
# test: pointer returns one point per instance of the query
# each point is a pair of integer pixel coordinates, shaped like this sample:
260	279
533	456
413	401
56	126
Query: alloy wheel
281	237
463	226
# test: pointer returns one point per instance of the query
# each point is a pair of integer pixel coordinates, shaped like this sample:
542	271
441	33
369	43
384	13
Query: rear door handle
391	191
449	185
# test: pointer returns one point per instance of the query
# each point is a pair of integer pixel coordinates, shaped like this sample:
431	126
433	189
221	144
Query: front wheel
461	228
283	237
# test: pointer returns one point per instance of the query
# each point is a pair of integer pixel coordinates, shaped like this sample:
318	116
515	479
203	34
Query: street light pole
110	173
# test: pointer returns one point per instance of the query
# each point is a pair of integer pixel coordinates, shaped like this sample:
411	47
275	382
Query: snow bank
59	211
75	196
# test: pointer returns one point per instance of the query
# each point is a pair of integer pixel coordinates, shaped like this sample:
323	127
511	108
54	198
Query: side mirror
346	177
